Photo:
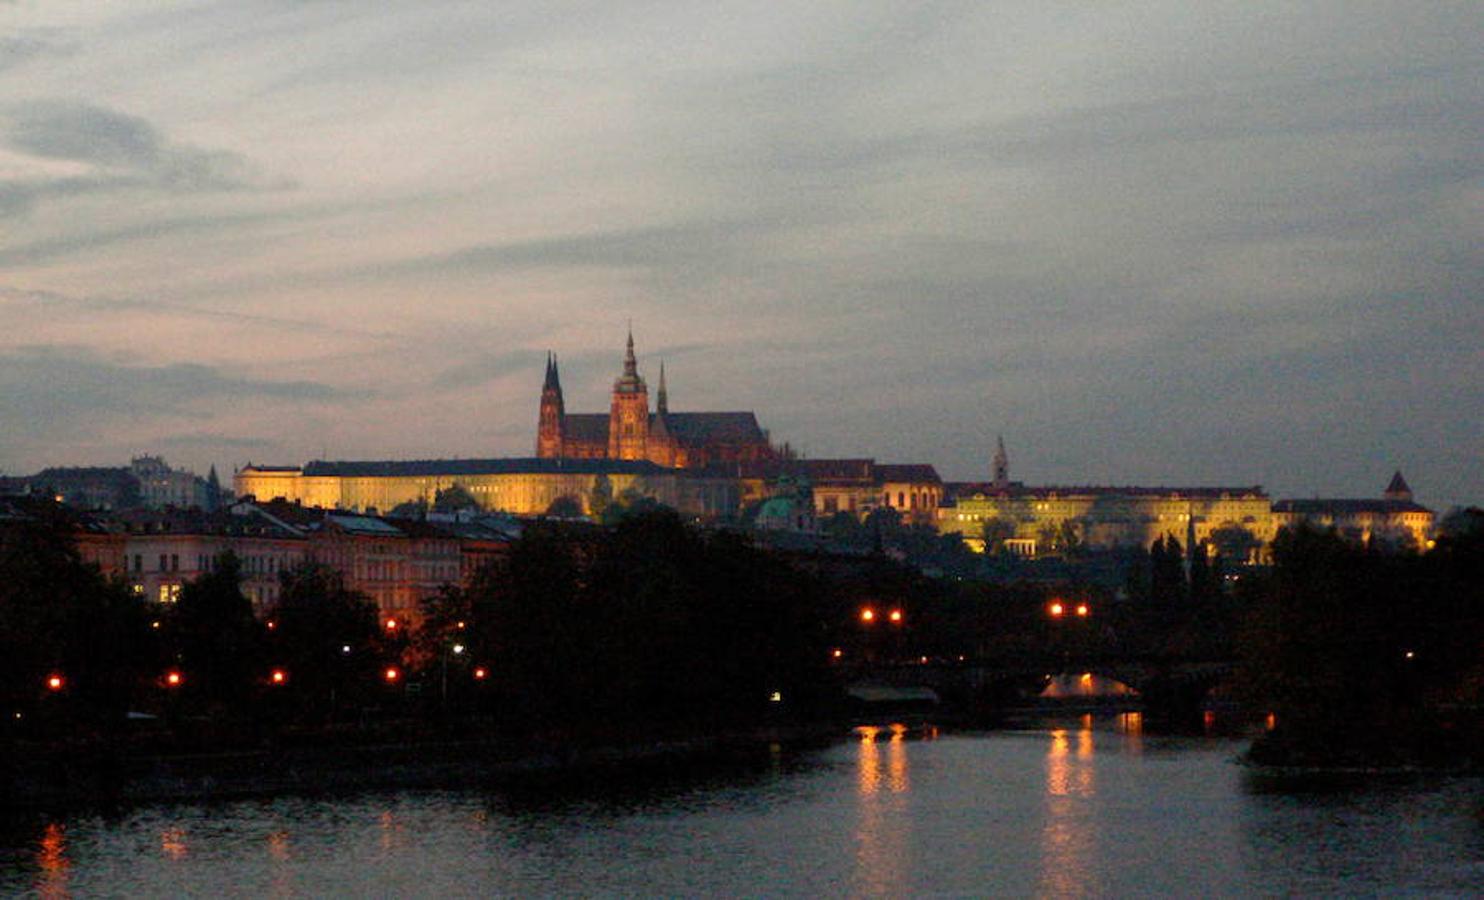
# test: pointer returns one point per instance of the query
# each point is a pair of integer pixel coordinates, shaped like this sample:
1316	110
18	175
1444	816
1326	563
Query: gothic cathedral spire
553	413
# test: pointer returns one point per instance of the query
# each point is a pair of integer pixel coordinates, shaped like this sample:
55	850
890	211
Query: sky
1220	243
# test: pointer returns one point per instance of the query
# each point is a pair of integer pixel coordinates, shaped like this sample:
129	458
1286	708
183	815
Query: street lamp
55	682
278	676
173	679
1083	610
868	615
391	675
1056	609
896	617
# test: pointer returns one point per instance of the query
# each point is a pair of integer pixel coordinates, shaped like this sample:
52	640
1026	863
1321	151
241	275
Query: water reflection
1068	832
883	833
52	862
172	843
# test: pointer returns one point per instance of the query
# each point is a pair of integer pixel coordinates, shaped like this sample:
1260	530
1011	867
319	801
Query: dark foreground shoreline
99	776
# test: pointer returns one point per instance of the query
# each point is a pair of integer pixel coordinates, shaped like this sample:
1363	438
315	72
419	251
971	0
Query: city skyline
1152	246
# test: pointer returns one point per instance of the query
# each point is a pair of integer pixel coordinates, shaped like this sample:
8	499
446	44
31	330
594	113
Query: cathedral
630	431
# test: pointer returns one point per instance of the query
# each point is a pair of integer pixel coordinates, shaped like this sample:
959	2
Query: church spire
662	402
630	364
1001	463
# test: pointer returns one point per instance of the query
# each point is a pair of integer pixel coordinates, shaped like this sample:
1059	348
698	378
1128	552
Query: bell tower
628	414
553	412
1001	465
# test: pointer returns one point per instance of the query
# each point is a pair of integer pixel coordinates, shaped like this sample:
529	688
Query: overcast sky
1154	243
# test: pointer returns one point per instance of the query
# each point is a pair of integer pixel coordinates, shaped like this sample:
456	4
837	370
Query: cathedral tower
1001	465
628	414
553	412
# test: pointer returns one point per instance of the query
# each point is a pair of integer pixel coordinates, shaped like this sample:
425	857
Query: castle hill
841	584
867	450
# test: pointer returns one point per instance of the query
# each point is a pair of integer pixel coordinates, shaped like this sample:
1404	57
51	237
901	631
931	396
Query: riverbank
100	774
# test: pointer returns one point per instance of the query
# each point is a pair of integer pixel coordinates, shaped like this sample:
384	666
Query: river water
1070	809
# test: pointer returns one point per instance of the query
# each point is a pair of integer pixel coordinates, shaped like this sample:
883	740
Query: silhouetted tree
327	639
214	636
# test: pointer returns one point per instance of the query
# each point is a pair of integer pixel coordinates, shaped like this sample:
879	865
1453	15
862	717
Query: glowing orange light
459	625
390	624
155	625
278	676
837	653
391	675
896	616
868	615
1056	609
173	678
55	682
1082	610
480	673
272	624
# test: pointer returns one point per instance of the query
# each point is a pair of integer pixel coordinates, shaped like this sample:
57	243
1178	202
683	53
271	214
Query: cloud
114	151
43	385
55	303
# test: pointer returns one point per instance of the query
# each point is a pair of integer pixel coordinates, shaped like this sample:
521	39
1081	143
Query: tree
1235	543
601	495
59	615
214	636
326	637
996	531
454	499
564	507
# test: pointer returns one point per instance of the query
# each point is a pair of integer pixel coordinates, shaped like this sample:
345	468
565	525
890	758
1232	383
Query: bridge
1169	690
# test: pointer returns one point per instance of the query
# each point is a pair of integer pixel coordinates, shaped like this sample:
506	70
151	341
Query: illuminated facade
1395	517
629	431
1038	520
1035	520
518	486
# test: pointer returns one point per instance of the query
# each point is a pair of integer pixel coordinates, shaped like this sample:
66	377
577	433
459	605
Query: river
1076	808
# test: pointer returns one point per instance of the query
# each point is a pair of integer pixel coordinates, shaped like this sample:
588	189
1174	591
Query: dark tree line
1366	656
646	622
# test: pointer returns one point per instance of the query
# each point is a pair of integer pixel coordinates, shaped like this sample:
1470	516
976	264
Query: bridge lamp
896	617
1083	610
1056	609
868	615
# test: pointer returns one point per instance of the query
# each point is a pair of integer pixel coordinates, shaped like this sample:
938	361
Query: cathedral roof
591	428
699	428
695	429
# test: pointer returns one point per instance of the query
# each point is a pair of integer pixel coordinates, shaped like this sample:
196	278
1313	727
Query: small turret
662	400
1398	489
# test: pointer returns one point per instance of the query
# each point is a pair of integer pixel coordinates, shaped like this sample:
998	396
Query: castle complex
722	465
630	431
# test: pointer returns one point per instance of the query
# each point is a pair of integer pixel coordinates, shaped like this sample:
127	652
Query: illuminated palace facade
1105	517
631	431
